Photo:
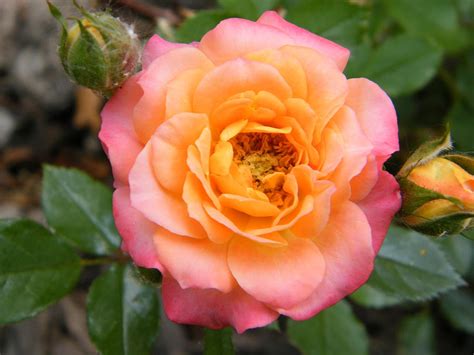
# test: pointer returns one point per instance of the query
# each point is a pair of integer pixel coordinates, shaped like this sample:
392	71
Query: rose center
265	158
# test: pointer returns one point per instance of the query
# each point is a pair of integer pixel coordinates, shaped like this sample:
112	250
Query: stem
121	259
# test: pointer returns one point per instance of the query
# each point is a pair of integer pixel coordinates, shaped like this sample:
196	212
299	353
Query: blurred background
421	52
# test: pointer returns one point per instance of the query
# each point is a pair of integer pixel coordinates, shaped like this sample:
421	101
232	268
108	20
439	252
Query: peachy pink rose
248	170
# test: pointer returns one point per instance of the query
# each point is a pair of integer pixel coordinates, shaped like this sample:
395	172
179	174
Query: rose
439	195
248	169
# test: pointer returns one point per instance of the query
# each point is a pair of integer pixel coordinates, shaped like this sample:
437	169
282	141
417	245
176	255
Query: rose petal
169	148
289	68
117	133
234	37
327	86
376	115
194	196
364	182
240	75
158	205
214	309
278	276
135	230
192	262
180	91
149	112
302	37
156	47
346	245
380	206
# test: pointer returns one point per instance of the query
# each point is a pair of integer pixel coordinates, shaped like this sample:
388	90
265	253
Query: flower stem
121	259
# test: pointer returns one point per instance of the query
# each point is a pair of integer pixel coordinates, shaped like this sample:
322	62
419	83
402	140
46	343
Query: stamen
263	154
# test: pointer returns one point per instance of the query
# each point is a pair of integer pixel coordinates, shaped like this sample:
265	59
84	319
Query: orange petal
179	92
233	129
162	207
235	37
194	263
327	86
289	67
362	184
277	276
150	110
195	196
234	77
221	159
346	245
250	206
259	128
242	220
169	148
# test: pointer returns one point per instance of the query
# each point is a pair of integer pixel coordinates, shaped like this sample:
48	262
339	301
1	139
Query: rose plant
249	171
249	179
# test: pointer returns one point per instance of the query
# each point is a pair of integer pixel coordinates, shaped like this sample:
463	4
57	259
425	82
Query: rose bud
438	194
99	51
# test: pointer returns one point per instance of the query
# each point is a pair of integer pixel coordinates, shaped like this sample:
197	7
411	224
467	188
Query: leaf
36	269
459	252
79	209
458	308
333	331
436	20
218	342
403	64
338	21
411	267
416	335
122	312
369	296
193	28
460	117
249	9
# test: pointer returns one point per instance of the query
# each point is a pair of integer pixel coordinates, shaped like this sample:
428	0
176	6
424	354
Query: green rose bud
98	51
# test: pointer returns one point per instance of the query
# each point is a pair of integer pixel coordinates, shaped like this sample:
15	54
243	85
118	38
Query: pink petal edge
214	309
302	37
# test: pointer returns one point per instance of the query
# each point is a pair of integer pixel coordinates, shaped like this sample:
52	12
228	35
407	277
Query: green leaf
411	267
460	117
371	297
338	21
218	342
458	308
459	252
436	20
416	335
403	64
249	9
36	269
80	210
333	331
193	28
122	312
360	55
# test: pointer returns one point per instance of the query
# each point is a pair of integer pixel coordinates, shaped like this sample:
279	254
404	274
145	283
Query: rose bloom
248	170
